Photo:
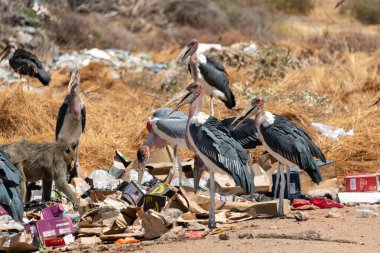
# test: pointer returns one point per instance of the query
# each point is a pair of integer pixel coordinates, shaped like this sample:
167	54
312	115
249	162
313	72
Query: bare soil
364	231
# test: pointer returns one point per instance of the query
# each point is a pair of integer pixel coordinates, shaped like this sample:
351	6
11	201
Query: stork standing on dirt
25	63
215	77
286	142
165	130
71	119
214	145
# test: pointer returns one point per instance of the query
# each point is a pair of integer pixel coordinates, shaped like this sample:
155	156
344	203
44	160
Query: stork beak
5	53
187	99
176	97
183	55
141	168
250	110
74	79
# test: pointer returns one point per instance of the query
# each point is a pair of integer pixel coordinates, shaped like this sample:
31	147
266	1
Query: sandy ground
364	231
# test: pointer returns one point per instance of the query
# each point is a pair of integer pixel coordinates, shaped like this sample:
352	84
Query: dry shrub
353	41
197	14
69	29
366	11
293	6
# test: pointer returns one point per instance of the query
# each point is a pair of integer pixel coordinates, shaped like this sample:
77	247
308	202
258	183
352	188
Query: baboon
46	161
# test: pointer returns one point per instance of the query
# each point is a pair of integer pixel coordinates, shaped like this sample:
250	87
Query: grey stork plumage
285	141
25	63
71	119
246	134
165	130
216	80
10	193
214	145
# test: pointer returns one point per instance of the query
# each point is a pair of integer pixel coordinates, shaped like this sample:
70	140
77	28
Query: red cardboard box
55	227
362	182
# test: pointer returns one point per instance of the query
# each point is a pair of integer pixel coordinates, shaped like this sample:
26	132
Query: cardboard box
55	227
363	182
100	195
133	193
53	211
295	184
154	202
161	189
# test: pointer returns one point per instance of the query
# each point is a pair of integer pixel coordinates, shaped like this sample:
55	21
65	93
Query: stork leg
140	174
288	180
277	181
76	166
212	105
282	192
172	171
211	217
179	166
252	174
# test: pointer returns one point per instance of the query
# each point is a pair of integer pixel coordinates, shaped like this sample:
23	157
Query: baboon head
68	152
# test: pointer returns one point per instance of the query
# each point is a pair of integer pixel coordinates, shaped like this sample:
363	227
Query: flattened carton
363	182
55	227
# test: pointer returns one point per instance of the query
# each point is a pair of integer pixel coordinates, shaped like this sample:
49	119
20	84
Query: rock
224	236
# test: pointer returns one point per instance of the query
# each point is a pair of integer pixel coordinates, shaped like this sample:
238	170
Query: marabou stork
71	119
25	63
10	193
164	130
214	145
215	77
143	154
285	141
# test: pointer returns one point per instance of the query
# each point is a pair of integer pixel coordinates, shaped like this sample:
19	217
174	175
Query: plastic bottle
362	213
368	207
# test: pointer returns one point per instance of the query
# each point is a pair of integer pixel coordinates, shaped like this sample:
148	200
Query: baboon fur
46	161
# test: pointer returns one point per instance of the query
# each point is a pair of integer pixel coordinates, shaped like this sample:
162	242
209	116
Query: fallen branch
307	236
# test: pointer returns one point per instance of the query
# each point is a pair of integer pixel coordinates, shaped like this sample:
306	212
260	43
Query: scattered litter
334	213
366	211
302	216
359	197
224	236
331	131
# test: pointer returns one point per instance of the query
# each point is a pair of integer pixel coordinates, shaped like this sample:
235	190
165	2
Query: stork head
189	95
189	50
256	106
11	47
74	79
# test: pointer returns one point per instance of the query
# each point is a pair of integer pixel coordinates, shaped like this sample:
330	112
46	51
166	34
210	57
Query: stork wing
216	76
216	65
61	117
287	141
246	133
28	56
83	113
214	141
314	149
175	128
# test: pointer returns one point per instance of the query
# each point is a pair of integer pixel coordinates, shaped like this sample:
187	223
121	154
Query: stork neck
193	67
75	101
195	108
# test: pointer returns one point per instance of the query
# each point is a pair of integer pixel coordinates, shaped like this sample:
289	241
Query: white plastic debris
331	131
133	175
251	49
203	47
103	180
97	53
359	197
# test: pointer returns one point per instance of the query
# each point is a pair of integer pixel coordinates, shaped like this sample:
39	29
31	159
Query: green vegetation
96	33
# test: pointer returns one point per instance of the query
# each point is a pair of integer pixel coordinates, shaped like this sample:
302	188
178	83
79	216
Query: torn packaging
154	224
